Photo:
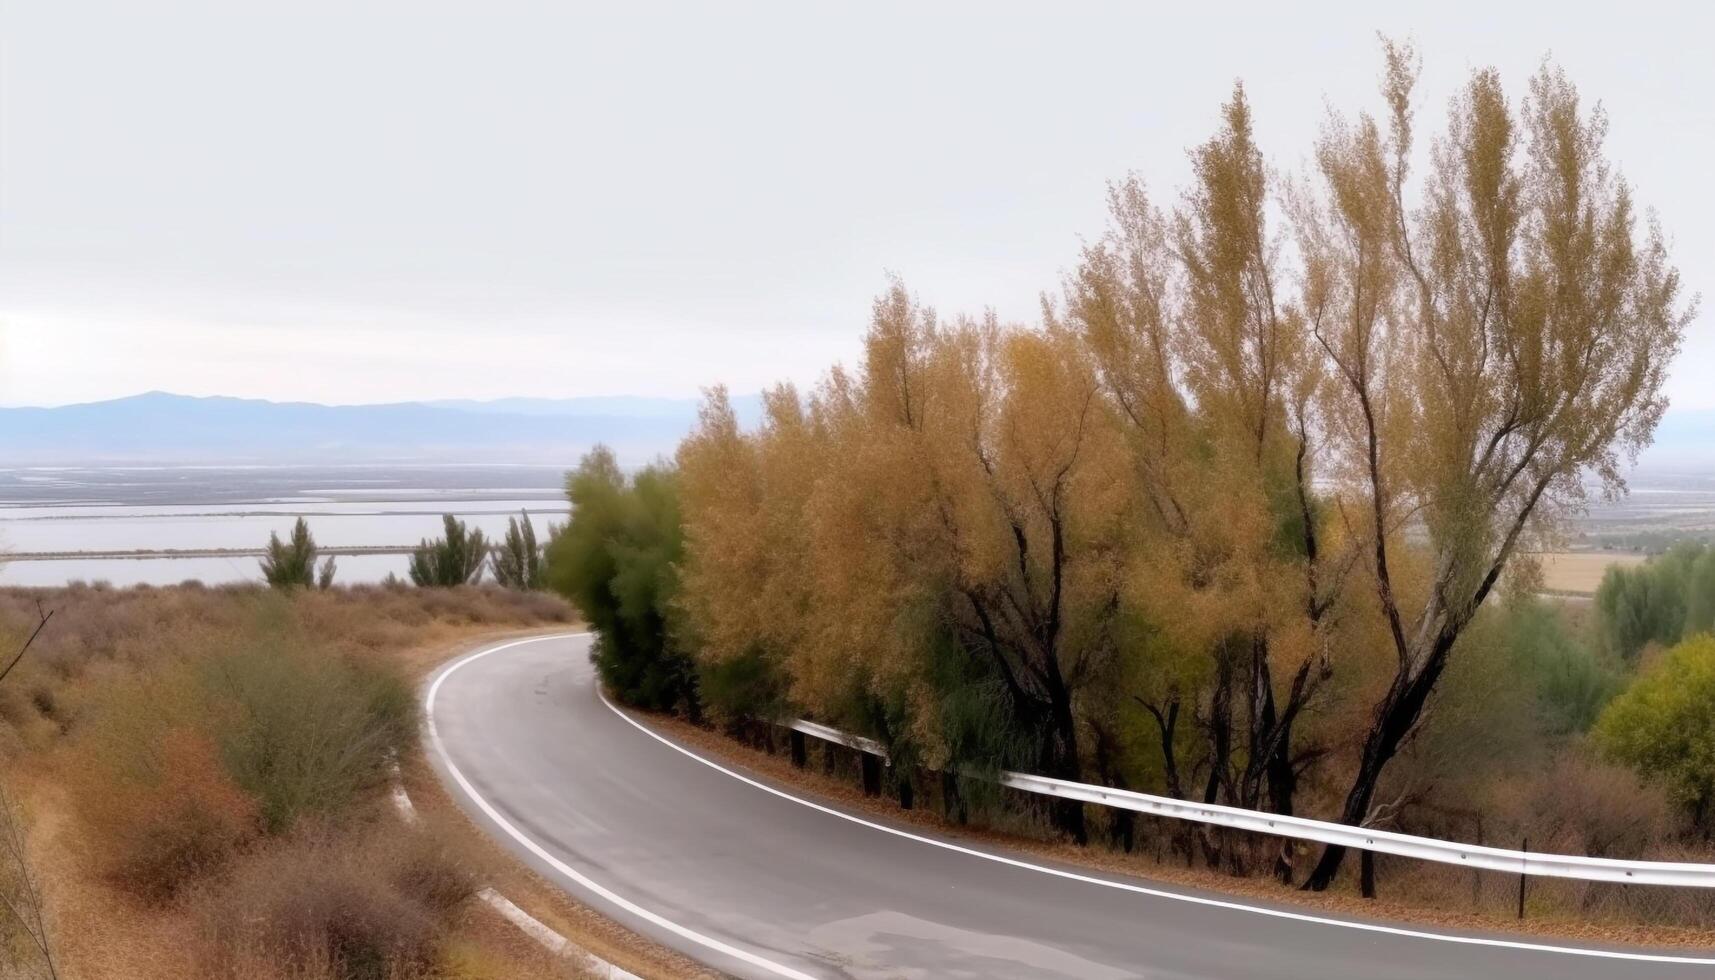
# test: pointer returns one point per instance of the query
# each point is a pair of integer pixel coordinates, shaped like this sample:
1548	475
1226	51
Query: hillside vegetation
201	776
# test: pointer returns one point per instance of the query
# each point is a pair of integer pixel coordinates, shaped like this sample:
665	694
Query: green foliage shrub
1666	599
1573	679
615	561
743	687
1664	726
305	733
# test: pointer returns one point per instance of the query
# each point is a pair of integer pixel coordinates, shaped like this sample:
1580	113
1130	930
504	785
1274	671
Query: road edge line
554	942
539	851
533	927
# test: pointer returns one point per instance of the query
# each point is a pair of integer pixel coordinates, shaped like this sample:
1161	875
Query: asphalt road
756	883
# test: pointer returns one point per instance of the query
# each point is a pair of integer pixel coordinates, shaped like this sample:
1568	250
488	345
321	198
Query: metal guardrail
1357	838
827	734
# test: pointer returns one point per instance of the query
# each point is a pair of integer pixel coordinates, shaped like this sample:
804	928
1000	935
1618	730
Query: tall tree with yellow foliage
1494	351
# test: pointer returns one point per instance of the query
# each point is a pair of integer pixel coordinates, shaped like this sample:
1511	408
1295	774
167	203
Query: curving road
756	882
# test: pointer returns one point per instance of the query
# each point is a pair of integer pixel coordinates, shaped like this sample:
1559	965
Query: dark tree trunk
1262	721
1122	823
1394	719
1169	723
952	802
1220	756
1063	761
871	774
1220	731
1282	786
800	752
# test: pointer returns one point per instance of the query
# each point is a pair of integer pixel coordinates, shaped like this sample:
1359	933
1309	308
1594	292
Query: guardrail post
951	802
800	752
871	774
1476	875
1522	878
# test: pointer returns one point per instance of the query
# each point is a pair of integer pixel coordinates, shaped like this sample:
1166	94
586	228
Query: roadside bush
182	769
304	733
1584	806
163	815
1573	681
375	906
96	632
1664	727
218	745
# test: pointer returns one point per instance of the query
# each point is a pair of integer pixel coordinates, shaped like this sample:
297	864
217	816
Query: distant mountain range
158	427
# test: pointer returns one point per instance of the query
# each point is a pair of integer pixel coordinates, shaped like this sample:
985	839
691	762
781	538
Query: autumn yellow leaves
1229	507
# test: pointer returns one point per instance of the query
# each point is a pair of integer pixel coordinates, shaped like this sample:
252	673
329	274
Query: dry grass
371	905
204	777
1579	572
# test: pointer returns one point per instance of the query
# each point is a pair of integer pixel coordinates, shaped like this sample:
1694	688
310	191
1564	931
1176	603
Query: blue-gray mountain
158	427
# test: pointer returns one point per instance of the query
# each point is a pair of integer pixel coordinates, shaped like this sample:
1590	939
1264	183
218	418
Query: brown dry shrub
1580	805
374	906
174	820
423	864
1691	907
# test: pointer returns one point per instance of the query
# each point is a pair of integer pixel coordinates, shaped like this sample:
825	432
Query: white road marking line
402	803
1161	893
401	799
555	943
554	862
530	925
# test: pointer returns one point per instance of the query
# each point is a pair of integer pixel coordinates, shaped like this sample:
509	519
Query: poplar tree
454	558
292	563
517	560
1495	351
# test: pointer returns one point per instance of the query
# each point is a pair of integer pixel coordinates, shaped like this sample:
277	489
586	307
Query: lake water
112	524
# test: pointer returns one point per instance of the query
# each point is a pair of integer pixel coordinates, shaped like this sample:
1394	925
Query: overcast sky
356	201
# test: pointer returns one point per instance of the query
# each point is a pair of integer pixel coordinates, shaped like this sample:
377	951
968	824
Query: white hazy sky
365	201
